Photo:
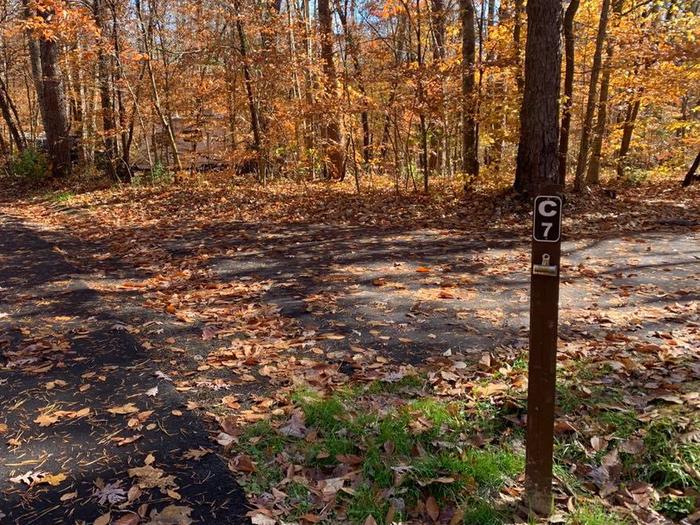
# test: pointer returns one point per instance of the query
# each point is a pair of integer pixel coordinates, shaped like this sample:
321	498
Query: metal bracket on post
545	268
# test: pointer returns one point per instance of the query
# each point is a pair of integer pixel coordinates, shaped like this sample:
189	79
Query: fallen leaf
432	508
129	408
152	392
295	427
197	453
128	519
242	463
103	520
172	515
69	496
54	479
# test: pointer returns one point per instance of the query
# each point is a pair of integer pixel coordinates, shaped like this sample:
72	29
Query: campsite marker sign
544	316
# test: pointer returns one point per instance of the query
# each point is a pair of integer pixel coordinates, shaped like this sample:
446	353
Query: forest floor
340	358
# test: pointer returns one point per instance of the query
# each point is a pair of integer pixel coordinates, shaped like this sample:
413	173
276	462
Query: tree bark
48	82
56	123
517	46
354	51
248	81
691	172
627	129
332	135
470	159
109	127
538	159
592	98
438	23
593	176
568	88
9	114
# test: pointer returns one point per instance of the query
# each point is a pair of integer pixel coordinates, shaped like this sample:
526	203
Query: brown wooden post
544	314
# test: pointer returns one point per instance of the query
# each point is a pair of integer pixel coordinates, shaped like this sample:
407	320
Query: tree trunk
517	46
538	159
109	128
593	176
9	114
56	123
691	172
438	16
592	98
627	129
353	50
332	135
568	88
470	159
48	82
165	121
248	81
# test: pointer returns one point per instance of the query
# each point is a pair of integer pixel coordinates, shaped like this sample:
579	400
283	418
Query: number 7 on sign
547	227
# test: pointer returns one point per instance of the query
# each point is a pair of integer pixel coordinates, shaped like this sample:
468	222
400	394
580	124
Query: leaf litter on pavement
393	389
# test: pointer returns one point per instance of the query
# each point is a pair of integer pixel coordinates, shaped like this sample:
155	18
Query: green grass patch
405	384
411	449
620	423
669	461
676	508
367	502
61	197
481	512
595	514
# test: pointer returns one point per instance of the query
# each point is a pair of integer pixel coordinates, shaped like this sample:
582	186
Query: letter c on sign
544	208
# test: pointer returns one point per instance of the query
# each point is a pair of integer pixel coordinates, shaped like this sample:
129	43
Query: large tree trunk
332	134
48	82
109	127
568	88
470	159
56	123
538	159
592	98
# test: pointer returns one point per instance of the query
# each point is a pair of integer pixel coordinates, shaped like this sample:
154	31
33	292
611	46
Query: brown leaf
197	453
69	496
128	519
599	443
242	463
129	408
103	520
349	459
632	446
295	427
172	515
122	441
432	508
